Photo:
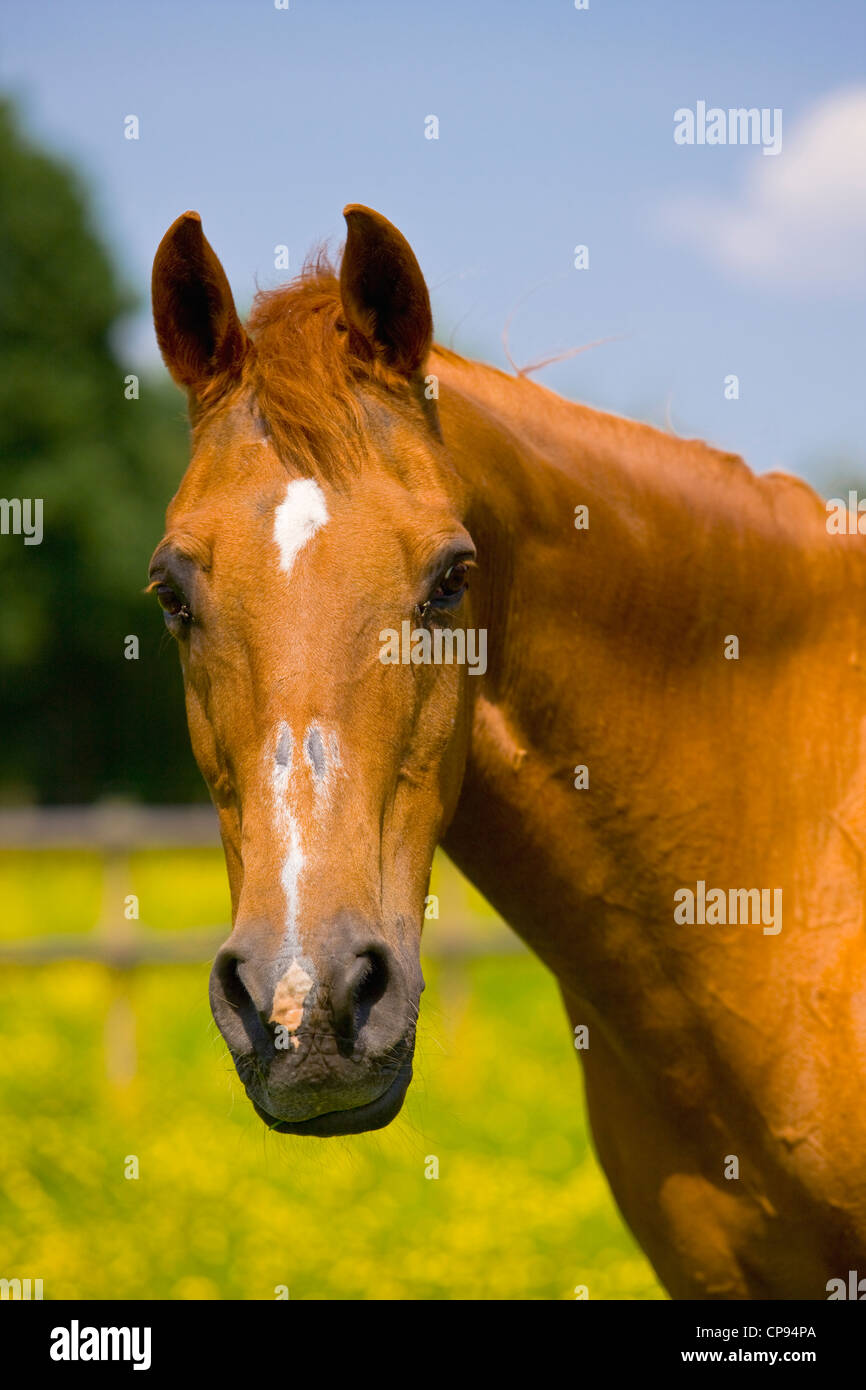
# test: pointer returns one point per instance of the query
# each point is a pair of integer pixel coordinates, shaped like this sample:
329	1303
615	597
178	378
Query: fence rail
116	831
122	945
109	826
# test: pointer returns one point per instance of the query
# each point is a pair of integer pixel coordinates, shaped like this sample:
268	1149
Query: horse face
334	767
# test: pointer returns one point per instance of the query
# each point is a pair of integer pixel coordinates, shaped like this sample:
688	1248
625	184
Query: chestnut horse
658	779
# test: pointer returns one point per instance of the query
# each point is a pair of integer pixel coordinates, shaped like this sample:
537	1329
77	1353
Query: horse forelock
309	383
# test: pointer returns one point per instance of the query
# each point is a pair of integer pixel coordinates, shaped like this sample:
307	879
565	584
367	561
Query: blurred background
554	130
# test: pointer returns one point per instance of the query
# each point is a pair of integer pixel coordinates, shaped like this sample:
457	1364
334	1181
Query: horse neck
607	648
677	531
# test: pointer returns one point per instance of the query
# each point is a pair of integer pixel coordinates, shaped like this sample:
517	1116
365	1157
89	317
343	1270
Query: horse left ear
384	296
197	327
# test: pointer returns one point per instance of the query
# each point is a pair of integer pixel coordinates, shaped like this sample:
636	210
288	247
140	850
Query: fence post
119	934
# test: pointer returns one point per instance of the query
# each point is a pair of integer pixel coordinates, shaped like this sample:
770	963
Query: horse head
319	512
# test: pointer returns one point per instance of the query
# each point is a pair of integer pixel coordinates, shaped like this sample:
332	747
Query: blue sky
555	129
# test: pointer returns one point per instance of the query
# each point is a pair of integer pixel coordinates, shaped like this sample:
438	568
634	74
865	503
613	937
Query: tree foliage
81	721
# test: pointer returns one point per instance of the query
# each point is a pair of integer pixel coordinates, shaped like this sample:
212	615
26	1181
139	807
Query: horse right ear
384	296
200	336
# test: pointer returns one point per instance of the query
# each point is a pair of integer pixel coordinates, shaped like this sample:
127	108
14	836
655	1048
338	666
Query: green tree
79	720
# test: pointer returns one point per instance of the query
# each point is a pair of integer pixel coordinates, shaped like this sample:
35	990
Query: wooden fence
121	944
115	831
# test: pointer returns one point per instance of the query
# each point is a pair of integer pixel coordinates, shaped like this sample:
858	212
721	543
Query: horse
656	776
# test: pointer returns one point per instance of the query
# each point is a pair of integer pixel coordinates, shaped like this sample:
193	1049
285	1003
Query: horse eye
171	602
453	583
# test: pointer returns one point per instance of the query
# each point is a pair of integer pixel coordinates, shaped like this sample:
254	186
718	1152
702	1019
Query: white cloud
801	217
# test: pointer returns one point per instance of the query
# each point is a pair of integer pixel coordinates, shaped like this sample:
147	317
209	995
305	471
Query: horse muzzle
322	1039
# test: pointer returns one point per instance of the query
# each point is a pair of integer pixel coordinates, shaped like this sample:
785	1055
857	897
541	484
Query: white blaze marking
288	835
295	984
290	879
298	518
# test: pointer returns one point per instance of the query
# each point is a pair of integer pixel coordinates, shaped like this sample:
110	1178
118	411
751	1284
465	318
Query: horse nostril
373	982
236	1015
362	986
233	988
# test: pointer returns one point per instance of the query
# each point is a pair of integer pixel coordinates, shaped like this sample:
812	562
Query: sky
556	130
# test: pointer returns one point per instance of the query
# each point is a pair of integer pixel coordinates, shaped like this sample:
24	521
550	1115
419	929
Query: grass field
222	1209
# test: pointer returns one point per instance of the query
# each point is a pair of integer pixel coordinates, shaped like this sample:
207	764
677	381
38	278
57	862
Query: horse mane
306	368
